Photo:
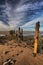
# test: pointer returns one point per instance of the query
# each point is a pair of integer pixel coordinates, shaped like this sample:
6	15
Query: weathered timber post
16	35
19	35
36	38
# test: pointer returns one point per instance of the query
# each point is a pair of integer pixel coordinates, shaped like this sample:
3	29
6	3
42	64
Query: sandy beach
18	54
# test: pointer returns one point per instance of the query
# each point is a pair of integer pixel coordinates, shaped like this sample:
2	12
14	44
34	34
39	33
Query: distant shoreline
25	33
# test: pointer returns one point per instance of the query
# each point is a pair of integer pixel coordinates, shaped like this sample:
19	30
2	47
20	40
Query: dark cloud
3	15
13	3
2	2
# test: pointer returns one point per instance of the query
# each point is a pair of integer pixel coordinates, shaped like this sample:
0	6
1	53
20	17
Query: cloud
15	16
17	13
3	27
31	25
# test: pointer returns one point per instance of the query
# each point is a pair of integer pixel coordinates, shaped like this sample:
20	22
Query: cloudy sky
23	13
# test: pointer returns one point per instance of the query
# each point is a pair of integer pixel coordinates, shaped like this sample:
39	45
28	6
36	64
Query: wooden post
19	35
22	34
36	37
16	35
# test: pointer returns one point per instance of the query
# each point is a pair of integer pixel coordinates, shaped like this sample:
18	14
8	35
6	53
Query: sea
29	33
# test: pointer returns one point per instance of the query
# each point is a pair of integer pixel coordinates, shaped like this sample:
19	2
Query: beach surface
18	53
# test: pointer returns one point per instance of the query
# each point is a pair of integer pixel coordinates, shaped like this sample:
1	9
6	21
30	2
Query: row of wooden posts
19	36
36	37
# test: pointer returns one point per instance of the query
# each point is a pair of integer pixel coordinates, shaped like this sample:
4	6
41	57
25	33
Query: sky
21	13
